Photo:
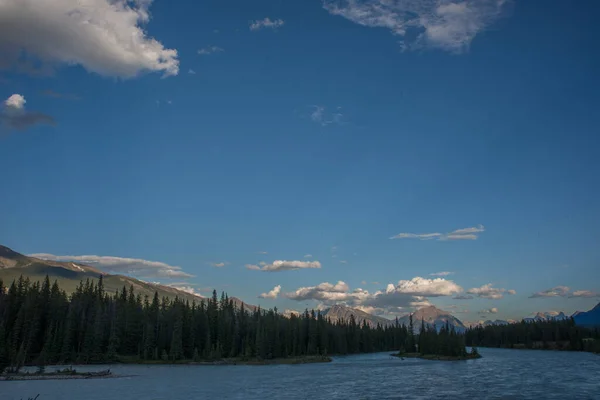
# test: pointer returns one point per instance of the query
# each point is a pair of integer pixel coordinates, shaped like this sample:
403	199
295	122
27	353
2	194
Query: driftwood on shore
64	374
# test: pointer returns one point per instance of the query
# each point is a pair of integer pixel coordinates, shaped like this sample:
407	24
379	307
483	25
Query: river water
500	374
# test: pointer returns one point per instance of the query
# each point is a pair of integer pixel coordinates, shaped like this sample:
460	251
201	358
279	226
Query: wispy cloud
471	233
219	264
210	50
565	291
443	273
119	265
272	294
14	116
308	256
262	252
449	25
557	291
343	262
57	95
282	265
66	31
191	72
323	117
489	292
266	23
584	293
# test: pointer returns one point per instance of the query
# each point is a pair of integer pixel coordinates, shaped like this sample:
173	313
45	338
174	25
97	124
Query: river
500	374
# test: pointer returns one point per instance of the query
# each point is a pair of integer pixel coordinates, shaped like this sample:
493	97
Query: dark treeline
445	342
41	324
548	334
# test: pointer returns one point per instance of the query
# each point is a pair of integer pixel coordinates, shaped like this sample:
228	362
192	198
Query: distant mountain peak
340	312
432	316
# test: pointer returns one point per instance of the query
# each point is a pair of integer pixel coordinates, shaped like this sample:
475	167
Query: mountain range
69	274
544	316
431	316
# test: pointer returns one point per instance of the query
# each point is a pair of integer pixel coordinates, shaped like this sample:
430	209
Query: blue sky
228	129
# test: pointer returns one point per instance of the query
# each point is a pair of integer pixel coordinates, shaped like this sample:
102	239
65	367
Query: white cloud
449	25
119	265
394	299
492	310
489	292
421	236
219	264
13	114
443	273
15	102
266	23
471	233
272	294
103	36
323	117
427	287
288	313
343	262
210	50
584	293
262	252
557	291
325	292
308	256
283	265
191	72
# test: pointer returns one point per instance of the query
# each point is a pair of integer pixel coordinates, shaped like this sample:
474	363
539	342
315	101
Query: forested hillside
542	334
40	324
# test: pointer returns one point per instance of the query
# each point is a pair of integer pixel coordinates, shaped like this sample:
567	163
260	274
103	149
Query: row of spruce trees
546	334
40	324
445	342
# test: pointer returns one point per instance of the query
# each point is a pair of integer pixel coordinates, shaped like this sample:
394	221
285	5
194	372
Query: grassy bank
437	357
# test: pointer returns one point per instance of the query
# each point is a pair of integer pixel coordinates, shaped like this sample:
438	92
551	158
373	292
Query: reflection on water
500	374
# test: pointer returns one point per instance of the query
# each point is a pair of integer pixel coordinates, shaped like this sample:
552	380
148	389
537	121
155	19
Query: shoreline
536	349
47	376
435	357
124	361
227	361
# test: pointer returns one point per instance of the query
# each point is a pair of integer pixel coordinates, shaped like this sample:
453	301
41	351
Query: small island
443	345
474	354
